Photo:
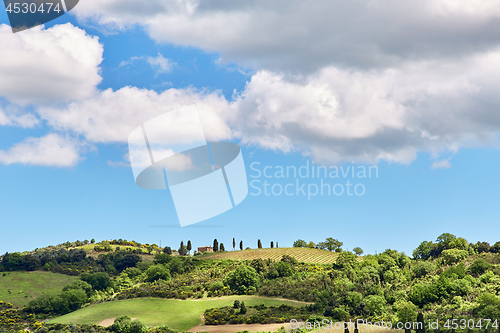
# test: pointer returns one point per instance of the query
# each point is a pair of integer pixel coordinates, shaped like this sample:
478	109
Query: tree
242	278
495	248
276	244
421	324
167	250
182	250
79	285
272	244
98	281
189	247
375	304
453	256
482	247
157	272
126	325
358	250
479	267
311	245
241	245
243	308
216	245
259	244
333	244
300	243
236	304
445	240
423	268
222	249
423	251
92	241
234	244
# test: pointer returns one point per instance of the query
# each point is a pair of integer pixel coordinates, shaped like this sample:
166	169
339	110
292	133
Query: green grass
19	288
177	314
312	256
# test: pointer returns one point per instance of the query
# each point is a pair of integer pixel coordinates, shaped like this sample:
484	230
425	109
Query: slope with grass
177	314
312	256
19	288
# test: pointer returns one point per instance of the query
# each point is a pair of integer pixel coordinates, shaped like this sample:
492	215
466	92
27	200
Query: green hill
312	256
19	288
177	314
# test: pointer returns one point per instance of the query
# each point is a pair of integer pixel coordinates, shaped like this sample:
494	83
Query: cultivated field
19	288
313	256
177	314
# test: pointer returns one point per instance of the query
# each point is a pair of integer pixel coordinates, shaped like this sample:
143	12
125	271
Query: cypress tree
189	246
272	244
234	244
221	247
243	308
259	244
241	245
420	323
216	245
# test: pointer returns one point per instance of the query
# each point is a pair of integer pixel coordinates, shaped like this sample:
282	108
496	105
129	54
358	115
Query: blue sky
287	98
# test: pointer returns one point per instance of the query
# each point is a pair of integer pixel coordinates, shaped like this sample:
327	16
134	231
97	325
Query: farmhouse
203	249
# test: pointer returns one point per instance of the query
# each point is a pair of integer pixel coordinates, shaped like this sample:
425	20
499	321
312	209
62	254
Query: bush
423	268
126	325
98	281
453	256
242	278
132	272
479	267
157	272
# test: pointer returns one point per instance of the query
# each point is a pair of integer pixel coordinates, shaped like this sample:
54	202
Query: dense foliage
448	278
259	314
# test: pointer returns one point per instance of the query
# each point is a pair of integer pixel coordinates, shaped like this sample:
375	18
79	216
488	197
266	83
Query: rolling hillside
177	314
19	288
313	256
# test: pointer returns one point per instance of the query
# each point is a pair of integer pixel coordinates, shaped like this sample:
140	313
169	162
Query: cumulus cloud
334	80
43	66
51	150
110	116
338	115
333	115
304	36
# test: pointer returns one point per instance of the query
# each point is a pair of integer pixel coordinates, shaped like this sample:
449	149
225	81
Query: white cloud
304	36
48	66
18	119
338	115
51	150
110	116
444	164
159	63
335	80
332	115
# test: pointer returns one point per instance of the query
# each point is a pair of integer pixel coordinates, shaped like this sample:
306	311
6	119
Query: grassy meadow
181	315
20	287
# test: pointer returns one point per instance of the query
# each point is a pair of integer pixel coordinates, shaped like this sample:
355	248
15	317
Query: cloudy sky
411	87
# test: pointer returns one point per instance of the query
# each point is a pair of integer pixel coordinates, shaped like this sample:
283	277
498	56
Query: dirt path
108	322
239	328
